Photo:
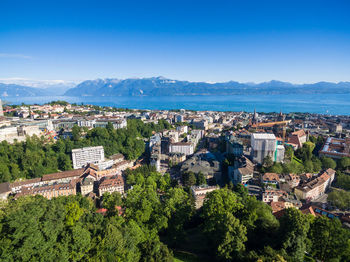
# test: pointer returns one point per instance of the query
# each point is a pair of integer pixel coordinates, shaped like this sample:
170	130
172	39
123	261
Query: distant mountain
49	87
18	90
160	86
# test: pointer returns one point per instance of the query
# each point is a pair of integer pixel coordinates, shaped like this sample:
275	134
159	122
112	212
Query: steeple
281	117
255	117
1	110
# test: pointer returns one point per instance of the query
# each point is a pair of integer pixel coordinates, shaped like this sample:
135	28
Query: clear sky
247	41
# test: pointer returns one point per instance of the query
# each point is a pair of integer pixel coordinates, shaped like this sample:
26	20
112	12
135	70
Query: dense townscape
91	183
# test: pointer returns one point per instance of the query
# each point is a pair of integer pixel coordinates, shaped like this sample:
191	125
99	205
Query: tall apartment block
87	155
263	145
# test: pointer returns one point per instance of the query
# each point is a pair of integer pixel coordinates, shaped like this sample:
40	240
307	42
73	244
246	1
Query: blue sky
247	41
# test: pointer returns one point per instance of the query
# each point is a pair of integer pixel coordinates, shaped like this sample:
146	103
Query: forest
157	222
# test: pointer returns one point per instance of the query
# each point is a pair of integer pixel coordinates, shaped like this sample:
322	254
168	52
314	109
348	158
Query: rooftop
263	136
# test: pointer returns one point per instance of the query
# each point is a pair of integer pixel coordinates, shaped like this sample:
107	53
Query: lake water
335	104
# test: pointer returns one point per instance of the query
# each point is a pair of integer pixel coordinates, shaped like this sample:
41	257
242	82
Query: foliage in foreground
156	218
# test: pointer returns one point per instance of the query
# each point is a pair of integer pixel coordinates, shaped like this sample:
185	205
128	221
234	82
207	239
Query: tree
293	167
344	163
76	132
178	209
229	236
144	207
73	213
267	162
276	168
154	251
111	201
340	199
293	232
226	232
200	179
64	162
307	149
289	153
343	181
189	179
308	166
329	241
328	163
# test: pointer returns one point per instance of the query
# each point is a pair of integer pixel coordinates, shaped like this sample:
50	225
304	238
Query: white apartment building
182	129
181	147
83	156
263	145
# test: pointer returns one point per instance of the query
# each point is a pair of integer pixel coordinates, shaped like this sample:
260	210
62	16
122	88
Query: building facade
263	145
83	156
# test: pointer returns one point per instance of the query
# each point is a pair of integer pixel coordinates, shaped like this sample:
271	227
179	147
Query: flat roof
87	148
263	136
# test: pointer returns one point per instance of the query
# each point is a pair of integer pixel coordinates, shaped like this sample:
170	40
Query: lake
335	104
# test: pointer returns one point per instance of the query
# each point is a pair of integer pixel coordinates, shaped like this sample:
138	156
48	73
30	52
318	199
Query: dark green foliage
343	181
339	199
231	226
328	163
329	241
189	179
344	163
293	234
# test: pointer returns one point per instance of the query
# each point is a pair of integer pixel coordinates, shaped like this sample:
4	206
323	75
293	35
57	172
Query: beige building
50	191
114	184
316	186
87	185
199	193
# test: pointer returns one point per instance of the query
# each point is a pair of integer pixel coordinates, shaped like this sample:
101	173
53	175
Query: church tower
1	110
255	117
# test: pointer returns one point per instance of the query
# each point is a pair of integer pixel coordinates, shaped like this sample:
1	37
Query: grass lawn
194	249
182	256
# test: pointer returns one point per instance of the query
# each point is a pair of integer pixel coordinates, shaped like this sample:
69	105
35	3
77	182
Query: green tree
329	241
64	162
110	201
340	199
227	234
200	179
73	213
189	179
178	209
267	163
328	163
343	181
293	232
76	132
344	163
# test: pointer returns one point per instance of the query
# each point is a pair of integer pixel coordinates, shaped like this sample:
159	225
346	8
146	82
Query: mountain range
160	86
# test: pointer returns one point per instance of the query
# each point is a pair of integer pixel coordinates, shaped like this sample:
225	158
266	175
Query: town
293	160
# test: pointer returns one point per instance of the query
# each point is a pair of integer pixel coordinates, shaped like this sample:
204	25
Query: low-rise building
297	138
199	193
49	191
242	171
272	195
270	178
336	148
113	184
315	186
87	185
